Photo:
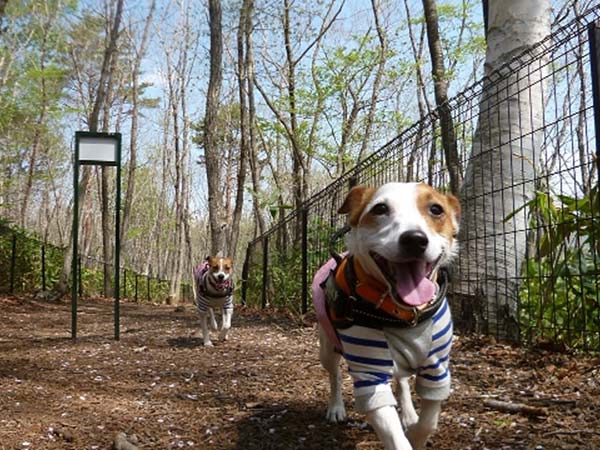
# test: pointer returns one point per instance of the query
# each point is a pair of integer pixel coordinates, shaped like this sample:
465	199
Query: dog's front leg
408	415
226	325
386	423
205	332
428	419
213	321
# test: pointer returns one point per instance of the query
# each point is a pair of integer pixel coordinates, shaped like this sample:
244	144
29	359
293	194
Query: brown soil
263	389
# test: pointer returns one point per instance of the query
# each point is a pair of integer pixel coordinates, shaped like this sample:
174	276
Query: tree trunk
157	227
242	64
37	135
211	150
177	74
103	87
440	87
184	194
423	102
299	166
376	82
176	238
38	125
586	178
62	286
135	87
499	177
253	157
107	222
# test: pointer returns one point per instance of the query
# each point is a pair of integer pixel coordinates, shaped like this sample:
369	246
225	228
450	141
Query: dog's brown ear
355	202
455	205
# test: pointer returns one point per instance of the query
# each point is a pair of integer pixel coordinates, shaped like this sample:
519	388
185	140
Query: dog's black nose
413	242
221	276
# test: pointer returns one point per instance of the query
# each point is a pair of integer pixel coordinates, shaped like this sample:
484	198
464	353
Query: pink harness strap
320	303
199	272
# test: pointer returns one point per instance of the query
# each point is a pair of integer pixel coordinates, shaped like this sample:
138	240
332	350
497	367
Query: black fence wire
31	265
528	141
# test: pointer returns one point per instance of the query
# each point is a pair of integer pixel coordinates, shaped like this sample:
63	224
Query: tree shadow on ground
185	342
293	426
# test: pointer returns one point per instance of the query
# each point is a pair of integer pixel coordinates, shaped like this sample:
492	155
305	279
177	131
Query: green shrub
559	298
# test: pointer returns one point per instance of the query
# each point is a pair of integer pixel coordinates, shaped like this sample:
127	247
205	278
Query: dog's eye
227	268
380	209
436	209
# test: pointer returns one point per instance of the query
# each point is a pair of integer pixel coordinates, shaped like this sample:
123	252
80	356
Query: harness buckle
416	314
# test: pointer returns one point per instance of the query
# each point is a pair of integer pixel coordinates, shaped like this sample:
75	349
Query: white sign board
97	149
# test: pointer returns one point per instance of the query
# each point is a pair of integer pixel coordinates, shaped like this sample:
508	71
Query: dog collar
357	284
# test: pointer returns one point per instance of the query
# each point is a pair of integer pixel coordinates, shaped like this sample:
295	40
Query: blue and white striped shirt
425	350
203	302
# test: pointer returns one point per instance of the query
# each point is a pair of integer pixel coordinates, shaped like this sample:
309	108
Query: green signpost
95	149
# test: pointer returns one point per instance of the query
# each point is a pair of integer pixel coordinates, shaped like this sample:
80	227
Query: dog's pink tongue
412	285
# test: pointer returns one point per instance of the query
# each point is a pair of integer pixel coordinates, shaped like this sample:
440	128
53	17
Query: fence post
13	262
148	288
245	274
265	271
136	287
594	41
304	260
43	267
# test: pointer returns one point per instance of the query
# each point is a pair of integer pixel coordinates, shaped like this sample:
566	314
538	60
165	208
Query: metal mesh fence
526	139
29	265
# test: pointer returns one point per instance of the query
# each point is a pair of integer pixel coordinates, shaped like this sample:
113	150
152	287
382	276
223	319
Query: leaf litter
264	389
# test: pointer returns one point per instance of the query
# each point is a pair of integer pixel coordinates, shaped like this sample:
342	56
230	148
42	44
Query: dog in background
383	307
213	288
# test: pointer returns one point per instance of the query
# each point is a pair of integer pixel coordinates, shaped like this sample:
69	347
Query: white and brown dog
383	307
213	288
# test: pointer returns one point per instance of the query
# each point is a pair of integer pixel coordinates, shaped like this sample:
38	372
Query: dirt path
262	390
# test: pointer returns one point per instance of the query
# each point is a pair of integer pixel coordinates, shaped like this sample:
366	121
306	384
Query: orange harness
356	284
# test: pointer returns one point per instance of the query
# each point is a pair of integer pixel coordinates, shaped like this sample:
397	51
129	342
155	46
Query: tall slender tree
61	286
251	135
135	117
211	151
440	85
499	176
242	72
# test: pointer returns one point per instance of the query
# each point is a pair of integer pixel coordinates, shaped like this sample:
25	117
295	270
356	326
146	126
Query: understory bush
559	296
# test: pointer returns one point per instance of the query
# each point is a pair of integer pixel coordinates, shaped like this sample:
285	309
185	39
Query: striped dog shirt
424	350
204	302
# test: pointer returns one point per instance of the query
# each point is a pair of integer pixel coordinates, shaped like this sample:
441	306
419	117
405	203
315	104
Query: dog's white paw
208	344
408	418
336	413
223	336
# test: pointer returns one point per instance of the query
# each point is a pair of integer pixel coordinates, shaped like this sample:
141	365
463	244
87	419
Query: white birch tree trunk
499	175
